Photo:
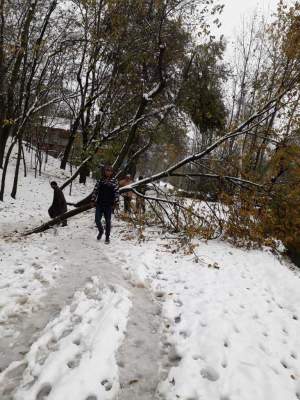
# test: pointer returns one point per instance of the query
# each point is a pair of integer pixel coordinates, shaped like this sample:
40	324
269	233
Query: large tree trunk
4	172
71	140
3	138
4	135
24	161
67	152
17	169
59	219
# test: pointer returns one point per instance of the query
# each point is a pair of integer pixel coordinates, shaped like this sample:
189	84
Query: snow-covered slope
228	328
231	322
34	195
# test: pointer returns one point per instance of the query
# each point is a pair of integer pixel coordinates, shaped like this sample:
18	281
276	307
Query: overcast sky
236	10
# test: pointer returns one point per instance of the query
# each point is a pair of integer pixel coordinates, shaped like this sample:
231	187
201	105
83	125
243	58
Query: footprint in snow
285	331
75	362
53	345
77	341
275	370
262	348
107	385
159	294
197	357
173	356
210	374
19	271
76	319
44	392
66	333
178	302
185	334
284	364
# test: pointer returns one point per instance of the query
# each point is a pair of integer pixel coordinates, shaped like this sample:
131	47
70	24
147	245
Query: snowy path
83	257
140	320
140	352
226	328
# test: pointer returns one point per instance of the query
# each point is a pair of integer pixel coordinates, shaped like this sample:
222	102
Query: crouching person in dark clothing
106	197
59	204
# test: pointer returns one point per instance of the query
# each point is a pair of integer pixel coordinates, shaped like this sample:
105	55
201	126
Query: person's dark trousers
127	204
105	211
140	205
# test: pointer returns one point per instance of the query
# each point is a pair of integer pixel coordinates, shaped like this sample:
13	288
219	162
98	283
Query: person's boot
107	241
99	236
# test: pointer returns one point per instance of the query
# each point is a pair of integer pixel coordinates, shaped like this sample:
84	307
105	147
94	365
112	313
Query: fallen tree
245	128
58	220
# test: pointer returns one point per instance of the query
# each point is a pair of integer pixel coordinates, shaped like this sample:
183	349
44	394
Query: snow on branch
243	129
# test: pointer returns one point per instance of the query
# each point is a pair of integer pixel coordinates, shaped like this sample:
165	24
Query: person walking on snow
127	180
105	196
59	204
140	201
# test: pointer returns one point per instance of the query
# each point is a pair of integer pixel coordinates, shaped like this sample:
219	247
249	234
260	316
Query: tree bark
24	162
67	151
4	135
4	172
59	219
17	169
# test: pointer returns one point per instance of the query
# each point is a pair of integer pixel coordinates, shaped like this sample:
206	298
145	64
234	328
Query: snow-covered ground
139	320
77	349
231	322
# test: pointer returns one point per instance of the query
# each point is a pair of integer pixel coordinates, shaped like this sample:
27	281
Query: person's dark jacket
59	204
106	192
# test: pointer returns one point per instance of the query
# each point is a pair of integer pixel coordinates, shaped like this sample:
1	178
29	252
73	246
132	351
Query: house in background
51	135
